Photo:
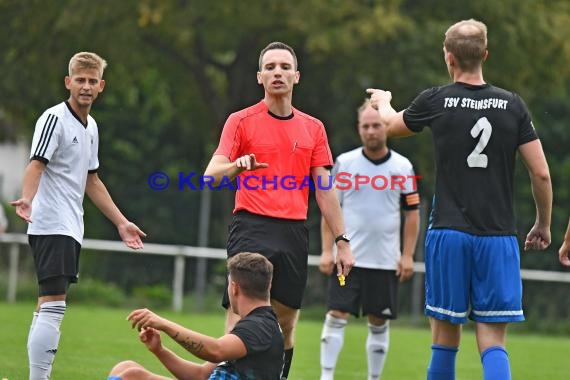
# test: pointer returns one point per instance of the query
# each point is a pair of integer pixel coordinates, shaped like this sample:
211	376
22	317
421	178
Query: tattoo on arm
188	344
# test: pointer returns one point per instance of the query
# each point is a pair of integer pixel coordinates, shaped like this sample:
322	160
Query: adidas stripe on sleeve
46	138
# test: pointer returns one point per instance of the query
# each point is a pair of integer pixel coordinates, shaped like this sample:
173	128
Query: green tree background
178	68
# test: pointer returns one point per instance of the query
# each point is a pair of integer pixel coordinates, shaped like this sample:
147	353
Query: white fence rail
181	252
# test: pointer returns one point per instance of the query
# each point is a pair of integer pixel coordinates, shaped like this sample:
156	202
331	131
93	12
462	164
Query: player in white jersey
63	167
374	185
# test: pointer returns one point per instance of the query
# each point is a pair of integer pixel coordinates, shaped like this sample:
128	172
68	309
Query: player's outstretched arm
215	350
129	232
535	162
30	185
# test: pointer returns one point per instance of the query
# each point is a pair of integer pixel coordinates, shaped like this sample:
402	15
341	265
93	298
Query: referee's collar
288	117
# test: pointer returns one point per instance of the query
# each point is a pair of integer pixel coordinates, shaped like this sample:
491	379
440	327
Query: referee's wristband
342	237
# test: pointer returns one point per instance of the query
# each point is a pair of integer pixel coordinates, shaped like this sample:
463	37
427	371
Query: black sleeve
420	112
256	335
526	128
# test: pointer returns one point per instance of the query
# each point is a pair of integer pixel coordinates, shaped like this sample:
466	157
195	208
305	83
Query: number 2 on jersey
476	159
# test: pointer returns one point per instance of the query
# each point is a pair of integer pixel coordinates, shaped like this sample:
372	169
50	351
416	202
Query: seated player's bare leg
130	370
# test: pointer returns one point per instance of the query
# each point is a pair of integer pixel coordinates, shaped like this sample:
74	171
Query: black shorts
366	291
284	242
55	255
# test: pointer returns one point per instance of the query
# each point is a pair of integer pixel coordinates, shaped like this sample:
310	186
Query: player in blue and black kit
472	255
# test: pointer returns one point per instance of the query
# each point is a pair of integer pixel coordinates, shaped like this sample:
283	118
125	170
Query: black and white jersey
69	150
476	132
372	213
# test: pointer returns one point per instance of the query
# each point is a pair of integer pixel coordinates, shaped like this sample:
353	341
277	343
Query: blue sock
496	364
442	364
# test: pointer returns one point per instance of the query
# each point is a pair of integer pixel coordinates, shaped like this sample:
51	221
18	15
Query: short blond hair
87	60
467	41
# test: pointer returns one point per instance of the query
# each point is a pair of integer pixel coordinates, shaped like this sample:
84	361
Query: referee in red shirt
271	149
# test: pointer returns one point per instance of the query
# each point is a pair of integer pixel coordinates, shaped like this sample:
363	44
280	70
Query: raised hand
378	96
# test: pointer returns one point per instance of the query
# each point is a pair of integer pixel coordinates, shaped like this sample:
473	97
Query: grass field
94	338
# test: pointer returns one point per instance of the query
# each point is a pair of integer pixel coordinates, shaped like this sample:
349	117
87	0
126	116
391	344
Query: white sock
44	339
34	319
332	339
377	348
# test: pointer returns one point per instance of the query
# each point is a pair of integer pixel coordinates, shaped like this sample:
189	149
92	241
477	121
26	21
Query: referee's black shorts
284	242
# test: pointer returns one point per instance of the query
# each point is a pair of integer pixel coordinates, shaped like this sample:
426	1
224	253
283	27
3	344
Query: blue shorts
472	276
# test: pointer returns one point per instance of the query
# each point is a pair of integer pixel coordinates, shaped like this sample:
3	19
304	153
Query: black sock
287	363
